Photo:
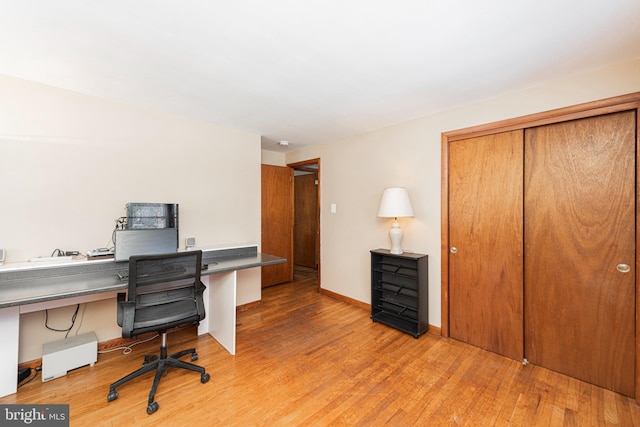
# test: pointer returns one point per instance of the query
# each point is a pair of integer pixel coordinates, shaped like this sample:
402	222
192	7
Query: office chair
164	291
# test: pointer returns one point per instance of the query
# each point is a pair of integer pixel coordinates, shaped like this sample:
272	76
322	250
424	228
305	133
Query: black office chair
164	291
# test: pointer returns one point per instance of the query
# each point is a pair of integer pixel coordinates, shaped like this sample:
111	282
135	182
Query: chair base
159	363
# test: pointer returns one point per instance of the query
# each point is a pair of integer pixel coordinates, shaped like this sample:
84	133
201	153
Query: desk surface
46	283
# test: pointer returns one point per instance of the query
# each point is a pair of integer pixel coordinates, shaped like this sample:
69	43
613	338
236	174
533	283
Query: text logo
34	415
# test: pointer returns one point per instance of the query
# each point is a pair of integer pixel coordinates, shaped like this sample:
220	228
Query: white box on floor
58	357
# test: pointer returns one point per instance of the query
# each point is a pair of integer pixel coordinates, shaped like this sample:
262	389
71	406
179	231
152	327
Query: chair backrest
164	291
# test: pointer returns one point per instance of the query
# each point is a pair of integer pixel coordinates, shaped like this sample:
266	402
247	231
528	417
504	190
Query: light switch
333	208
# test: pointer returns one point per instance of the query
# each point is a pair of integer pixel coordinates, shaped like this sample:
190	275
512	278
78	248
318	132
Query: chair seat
178	312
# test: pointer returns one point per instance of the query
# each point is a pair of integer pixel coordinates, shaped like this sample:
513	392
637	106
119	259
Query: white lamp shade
395	203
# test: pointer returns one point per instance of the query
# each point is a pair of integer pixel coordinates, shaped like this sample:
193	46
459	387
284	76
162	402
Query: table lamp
395	204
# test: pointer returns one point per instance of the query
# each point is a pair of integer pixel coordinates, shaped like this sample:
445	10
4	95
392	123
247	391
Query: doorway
306	229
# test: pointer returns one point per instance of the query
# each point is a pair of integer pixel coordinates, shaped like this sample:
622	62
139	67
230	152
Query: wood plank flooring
307	359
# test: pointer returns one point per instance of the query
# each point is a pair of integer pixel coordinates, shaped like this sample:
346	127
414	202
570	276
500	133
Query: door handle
623	268
453	249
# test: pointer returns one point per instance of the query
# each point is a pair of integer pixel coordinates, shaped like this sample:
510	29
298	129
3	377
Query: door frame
300	164
588	109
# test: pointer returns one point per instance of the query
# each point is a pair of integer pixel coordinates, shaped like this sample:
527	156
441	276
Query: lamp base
396	234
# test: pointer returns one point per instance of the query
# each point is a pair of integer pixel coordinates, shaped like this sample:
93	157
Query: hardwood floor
306	359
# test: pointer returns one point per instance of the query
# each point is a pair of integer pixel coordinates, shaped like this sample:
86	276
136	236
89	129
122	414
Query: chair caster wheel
204	378
153	407
113	395
194	357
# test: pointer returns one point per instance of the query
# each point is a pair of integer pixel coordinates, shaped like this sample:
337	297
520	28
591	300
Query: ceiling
310	71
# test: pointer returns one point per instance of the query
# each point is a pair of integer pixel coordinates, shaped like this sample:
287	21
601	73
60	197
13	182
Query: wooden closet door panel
579	225
485	227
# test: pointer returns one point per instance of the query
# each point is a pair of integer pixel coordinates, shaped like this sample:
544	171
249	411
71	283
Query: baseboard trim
248	306
434	330
359	304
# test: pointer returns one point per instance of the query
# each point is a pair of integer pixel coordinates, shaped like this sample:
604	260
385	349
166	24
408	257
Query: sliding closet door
485	234
579	236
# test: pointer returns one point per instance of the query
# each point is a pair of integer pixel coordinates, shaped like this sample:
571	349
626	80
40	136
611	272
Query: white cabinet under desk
27	287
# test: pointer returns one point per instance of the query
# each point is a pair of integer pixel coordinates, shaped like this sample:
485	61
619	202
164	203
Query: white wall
356	170
69	163
273	158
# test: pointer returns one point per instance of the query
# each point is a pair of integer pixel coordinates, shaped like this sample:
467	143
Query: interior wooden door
579	227
306	220
485	235
277	222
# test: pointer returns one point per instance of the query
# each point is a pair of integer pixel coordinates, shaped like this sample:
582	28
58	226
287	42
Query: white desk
25	289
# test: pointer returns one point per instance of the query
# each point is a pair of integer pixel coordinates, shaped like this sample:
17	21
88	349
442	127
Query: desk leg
9	336
222	309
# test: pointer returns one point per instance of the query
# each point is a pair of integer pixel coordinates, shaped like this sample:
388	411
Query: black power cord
57	252
73	322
